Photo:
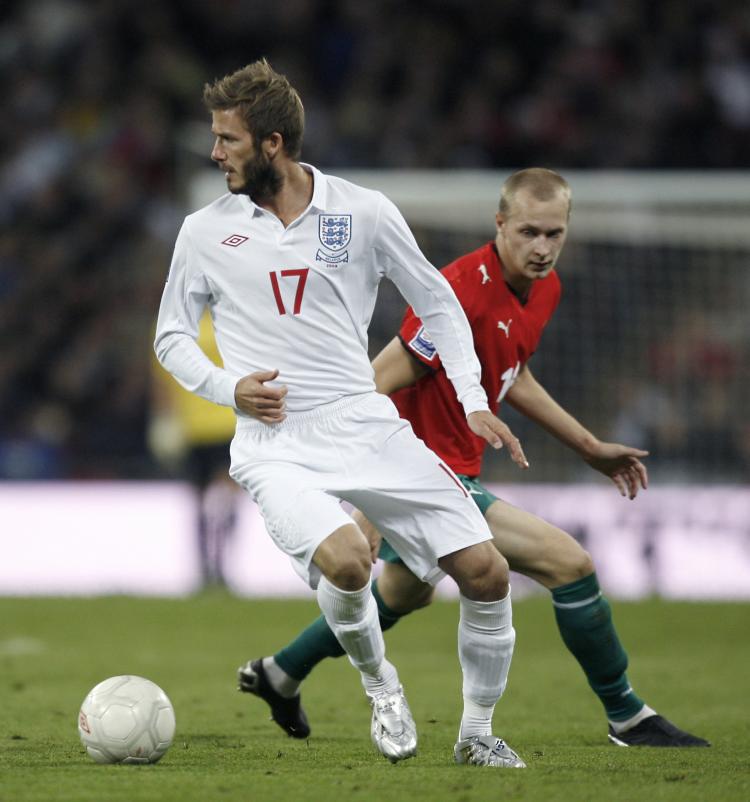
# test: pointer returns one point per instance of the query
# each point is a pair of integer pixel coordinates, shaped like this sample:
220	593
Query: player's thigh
536	548
298	515
416	501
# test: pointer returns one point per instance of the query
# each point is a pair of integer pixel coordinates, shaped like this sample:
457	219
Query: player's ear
272	145
499	220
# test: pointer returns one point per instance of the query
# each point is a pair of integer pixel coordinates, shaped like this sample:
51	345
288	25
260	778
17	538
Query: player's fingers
619	483
632	482
516	452
631	453
642	473
265	375
269	403
503	436
272	392
497	434
489	432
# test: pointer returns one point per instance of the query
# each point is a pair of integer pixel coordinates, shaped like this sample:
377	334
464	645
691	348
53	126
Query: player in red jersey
509	291
506	326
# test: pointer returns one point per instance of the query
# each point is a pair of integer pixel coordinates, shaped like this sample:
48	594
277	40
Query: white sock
476	720
353	619
623	726
281	682
485	647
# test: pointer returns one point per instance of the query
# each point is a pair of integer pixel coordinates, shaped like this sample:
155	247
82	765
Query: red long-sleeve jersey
506	333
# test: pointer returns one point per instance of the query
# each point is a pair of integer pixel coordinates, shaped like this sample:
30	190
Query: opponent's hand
622	465
255	398
497	434
374	538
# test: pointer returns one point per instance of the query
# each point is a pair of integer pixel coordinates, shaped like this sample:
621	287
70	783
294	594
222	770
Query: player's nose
542	246
217	154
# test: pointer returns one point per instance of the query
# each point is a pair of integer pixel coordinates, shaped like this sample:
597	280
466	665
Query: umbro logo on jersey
234	240
505	326
485	275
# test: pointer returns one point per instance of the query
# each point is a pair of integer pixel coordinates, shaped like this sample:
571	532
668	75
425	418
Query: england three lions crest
335	234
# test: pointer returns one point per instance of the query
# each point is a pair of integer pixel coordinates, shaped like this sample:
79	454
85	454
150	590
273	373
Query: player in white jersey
288	263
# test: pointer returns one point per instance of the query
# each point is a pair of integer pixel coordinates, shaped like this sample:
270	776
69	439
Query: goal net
650	343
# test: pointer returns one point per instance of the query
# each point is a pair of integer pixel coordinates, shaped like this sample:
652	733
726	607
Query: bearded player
509	291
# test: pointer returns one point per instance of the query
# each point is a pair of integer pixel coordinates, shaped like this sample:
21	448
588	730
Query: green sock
584	619
387	616
317	642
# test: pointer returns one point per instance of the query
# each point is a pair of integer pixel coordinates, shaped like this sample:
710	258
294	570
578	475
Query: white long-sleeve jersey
300	298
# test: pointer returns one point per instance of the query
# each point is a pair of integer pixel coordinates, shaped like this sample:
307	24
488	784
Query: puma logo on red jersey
485	275
505	326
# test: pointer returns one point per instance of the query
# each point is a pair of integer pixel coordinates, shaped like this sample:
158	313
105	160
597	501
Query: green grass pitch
690	661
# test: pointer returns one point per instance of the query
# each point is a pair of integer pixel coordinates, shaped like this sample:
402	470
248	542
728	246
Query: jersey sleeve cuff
474	400
225	387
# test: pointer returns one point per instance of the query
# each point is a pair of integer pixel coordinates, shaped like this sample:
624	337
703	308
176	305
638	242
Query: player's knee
493	582
480	572
344	559
574	564
350	571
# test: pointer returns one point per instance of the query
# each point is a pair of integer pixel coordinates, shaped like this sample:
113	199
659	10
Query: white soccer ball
126	719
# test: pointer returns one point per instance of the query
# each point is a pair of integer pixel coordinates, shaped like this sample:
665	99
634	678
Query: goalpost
651	342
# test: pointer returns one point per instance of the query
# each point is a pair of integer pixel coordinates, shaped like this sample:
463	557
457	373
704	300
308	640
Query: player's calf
401	591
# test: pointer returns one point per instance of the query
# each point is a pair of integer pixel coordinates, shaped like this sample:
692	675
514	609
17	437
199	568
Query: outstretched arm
620	463
396	368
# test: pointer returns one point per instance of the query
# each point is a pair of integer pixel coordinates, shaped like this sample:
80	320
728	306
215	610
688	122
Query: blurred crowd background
101	96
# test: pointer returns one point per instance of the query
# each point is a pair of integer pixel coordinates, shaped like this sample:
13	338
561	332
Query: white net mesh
651	341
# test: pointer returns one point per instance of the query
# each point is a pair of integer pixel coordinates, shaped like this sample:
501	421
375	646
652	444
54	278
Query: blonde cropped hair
543	184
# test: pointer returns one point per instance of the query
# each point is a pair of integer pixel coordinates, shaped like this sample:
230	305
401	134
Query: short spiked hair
266	101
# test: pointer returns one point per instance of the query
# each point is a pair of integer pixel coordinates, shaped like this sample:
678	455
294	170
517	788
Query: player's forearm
434	301
395	368
183	358
532	400
445	320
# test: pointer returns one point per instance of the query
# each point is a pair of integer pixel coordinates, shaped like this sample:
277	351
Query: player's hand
497	434
623	466
255	398
374	537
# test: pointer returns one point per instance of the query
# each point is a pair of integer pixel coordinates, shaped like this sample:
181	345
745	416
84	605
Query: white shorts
356	450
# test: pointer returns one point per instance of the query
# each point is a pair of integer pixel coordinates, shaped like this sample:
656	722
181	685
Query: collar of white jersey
320	192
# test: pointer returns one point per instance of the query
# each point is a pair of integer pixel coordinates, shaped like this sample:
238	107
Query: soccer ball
126	720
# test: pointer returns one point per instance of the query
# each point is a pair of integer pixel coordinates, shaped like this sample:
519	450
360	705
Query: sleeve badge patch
422	344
